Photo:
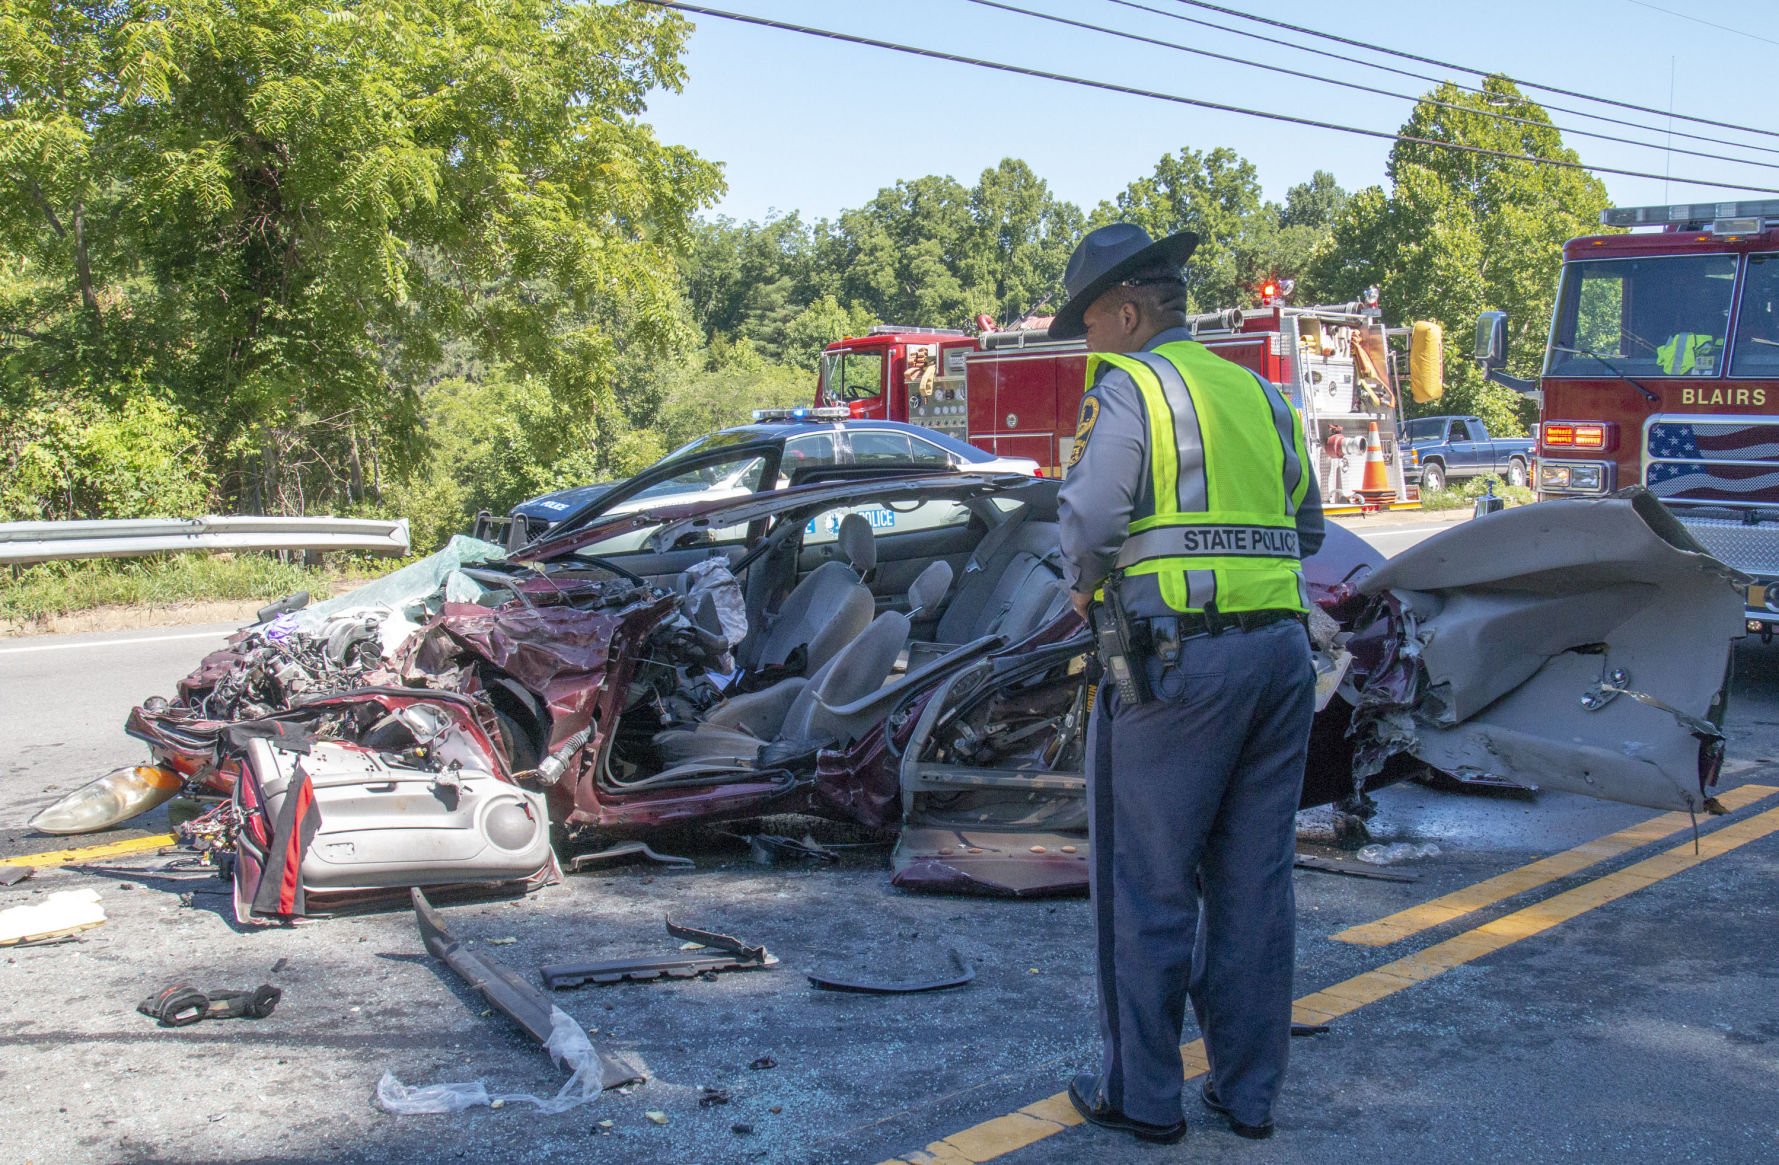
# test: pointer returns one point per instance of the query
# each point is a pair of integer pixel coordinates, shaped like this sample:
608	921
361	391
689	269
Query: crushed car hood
1580	644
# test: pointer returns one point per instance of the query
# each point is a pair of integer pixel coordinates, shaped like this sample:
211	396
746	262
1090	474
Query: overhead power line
1407	56
1133	91
1356	86
1703	21
1409	73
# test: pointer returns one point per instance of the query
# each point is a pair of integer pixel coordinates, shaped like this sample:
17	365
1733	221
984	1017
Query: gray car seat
798	710
928	589
1011	586
829	608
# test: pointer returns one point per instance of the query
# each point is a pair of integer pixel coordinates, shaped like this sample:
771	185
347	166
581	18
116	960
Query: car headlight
1553	477
1584	477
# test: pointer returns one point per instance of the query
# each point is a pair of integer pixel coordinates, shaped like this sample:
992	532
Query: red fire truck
1017	393
1662	370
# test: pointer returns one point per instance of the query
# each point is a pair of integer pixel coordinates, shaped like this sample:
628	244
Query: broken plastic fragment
62	913
656	1116
1384	855
111	800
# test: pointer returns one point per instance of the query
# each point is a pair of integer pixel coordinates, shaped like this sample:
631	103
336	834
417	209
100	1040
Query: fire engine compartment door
1579	644
1019	415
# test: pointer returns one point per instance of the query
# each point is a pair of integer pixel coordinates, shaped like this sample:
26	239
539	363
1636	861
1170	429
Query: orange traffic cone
1375	488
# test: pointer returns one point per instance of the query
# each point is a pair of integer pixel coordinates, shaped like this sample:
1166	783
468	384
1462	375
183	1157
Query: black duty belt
1166	632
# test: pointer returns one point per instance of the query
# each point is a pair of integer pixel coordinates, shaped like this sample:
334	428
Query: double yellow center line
1035	1122
92	853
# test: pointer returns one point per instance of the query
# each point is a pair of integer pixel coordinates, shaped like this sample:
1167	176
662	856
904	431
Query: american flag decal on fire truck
1730	461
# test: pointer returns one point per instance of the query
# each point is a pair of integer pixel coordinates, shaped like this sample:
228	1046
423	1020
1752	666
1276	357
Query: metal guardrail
27	542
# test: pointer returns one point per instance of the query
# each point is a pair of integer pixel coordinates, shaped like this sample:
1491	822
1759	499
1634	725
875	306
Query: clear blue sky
816	126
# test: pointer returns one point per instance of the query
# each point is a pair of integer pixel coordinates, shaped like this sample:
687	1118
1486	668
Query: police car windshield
720	440
1664	315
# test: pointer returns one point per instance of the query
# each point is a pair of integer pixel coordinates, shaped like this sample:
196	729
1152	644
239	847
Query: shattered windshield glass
1660	316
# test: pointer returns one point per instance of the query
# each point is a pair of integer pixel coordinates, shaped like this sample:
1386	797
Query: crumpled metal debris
965	972
769	849
706	953
592	1071
626	852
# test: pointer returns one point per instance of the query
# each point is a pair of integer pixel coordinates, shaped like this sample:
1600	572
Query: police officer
1189	496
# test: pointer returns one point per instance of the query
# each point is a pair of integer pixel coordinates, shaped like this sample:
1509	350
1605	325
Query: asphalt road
1622	1010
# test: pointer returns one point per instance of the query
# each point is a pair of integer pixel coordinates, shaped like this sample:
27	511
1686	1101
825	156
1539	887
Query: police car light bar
827	413
1700	215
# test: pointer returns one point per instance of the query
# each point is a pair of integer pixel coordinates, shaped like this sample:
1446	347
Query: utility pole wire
1359	44
1670	148
1133	91
1412	75
1700	20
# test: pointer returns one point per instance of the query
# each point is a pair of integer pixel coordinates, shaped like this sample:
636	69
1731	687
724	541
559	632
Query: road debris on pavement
62	914
964	973
624	854
181	1004
592	1071
1330	866
704	953
770	849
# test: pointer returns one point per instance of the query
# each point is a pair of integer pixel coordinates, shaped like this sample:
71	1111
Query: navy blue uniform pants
1192	800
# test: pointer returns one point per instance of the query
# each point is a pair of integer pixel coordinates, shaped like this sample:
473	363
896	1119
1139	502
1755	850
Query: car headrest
928	588
857	543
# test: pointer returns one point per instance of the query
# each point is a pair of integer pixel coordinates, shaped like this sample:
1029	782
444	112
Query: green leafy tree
897	255
279	214
721	385
1017	245
1461	232
77	459
817	326
1217	196
1315	204
748	281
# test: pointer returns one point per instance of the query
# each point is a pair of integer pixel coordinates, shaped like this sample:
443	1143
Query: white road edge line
114	642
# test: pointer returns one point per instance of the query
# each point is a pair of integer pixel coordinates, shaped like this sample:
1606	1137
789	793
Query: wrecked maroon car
901	652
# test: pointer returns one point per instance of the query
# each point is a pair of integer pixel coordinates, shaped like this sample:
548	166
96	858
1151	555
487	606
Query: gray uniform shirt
1108	484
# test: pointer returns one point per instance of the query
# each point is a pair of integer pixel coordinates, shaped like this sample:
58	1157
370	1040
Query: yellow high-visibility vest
1227	471
1684	351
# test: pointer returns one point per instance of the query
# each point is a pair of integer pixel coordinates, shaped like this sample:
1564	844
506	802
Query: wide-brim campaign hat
1105	258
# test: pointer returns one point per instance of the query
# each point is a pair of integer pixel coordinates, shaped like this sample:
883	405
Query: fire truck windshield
1757	326
854	375
1659	316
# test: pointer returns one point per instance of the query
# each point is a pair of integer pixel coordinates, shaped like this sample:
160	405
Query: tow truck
1016	392
1662	370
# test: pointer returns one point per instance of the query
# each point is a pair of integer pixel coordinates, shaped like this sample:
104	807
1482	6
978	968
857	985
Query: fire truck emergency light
1722	218
1578	434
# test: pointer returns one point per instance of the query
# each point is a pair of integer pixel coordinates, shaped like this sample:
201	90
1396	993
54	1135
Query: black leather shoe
1252	1132
1086	1086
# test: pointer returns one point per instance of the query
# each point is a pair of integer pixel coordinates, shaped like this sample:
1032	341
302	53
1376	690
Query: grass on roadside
1464	494
36	593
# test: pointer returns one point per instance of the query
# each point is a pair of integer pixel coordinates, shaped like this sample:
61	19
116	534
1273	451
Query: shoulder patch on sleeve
1090	415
